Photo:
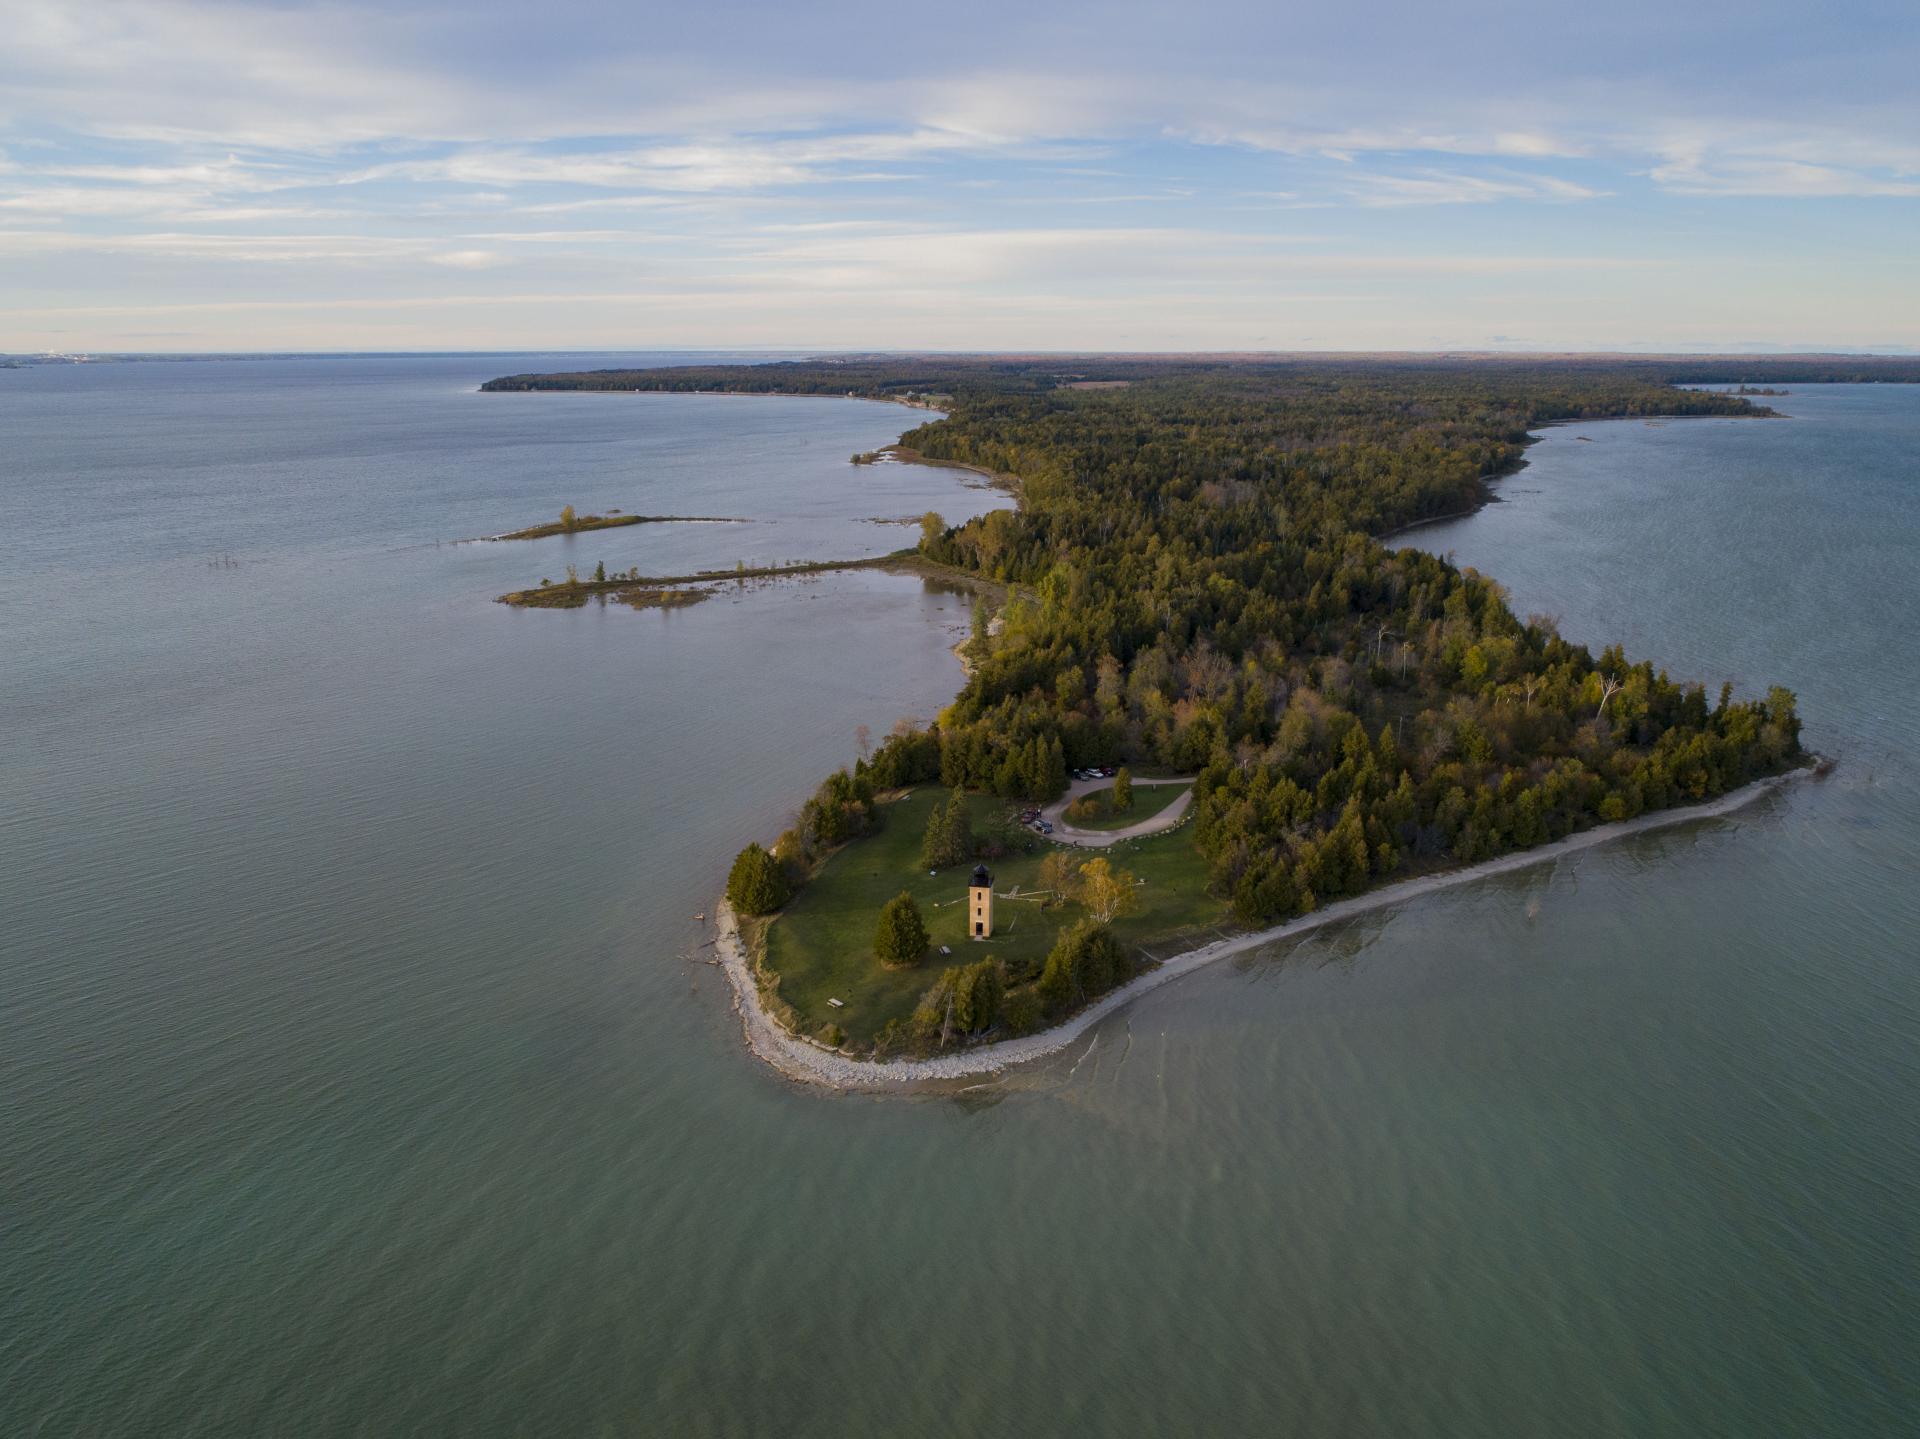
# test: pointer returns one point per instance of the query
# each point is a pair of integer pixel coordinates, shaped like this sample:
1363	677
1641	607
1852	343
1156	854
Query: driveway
1101	838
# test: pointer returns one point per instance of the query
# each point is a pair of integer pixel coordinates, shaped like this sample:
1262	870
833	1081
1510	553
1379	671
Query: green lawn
821	945
1148	801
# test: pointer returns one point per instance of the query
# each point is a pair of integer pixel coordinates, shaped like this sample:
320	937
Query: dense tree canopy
1194	580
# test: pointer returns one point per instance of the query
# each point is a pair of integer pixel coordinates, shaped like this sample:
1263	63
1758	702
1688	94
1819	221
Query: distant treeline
1194	583
900	377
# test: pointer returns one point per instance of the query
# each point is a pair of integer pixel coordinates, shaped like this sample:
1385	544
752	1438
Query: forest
1195	581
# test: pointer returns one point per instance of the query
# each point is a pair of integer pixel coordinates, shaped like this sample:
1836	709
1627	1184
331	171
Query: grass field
1148	801
821	945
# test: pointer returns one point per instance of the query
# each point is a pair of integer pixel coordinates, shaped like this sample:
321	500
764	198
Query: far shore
734	394
1491	496
803	1060
1488	495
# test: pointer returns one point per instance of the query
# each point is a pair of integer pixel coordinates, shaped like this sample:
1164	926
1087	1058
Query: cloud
228	248
1439	187
470	259
726	163
1346	144
1778	177
1819	165
806	156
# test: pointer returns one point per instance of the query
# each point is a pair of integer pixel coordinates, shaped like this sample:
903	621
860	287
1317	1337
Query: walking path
1101	838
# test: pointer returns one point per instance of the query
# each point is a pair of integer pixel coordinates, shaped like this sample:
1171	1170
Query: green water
362	1075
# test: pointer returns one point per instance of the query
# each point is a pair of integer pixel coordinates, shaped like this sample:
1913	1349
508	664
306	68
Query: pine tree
756	884
959	827
949	834
978	991
1054	781
979	642
936	848
901	937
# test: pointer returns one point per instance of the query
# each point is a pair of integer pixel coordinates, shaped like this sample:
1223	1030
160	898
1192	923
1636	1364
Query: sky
1185	175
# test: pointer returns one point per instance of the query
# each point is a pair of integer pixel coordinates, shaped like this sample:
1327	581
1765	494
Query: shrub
1021	1010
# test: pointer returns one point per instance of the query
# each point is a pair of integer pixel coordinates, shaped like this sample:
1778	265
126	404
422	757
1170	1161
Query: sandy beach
810	1063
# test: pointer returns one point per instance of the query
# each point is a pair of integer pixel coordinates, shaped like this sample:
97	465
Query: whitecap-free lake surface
358	1074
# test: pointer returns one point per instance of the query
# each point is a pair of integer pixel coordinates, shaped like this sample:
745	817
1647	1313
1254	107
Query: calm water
360	1077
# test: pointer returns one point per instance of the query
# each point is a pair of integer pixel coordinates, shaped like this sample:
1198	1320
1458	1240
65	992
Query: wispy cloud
1347	144
1757	162
1441	187
1068	164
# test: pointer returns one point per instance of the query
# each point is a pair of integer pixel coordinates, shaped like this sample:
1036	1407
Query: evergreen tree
1085	962
756	884
1054	779
978	991
901	938
1057	986
936	846
980	641
959	826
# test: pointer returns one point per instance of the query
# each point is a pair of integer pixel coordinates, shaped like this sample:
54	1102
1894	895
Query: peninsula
1191	591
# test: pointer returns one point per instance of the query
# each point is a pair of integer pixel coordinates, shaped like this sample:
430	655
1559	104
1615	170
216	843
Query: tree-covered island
1194	584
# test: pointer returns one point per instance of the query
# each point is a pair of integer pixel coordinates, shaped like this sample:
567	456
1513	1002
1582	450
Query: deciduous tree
1107	892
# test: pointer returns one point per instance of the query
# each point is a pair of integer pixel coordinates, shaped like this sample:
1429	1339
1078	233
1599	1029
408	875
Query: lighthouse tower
980	903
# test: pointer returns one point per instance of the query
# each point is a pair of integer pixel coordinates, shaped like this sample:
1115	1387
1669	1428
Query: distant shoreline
727	394
809	1063
1507	472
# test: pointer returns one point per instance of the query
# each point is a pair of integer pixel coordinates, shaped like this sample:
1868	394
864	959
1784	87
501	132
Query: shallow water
361	1077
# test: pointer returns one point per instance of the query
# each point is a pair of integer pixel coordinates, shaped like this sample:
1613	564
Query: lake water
360	1075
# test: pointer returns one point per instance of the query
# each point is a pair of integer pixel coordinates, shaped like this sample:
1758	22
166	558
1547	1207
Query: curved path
1101	838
